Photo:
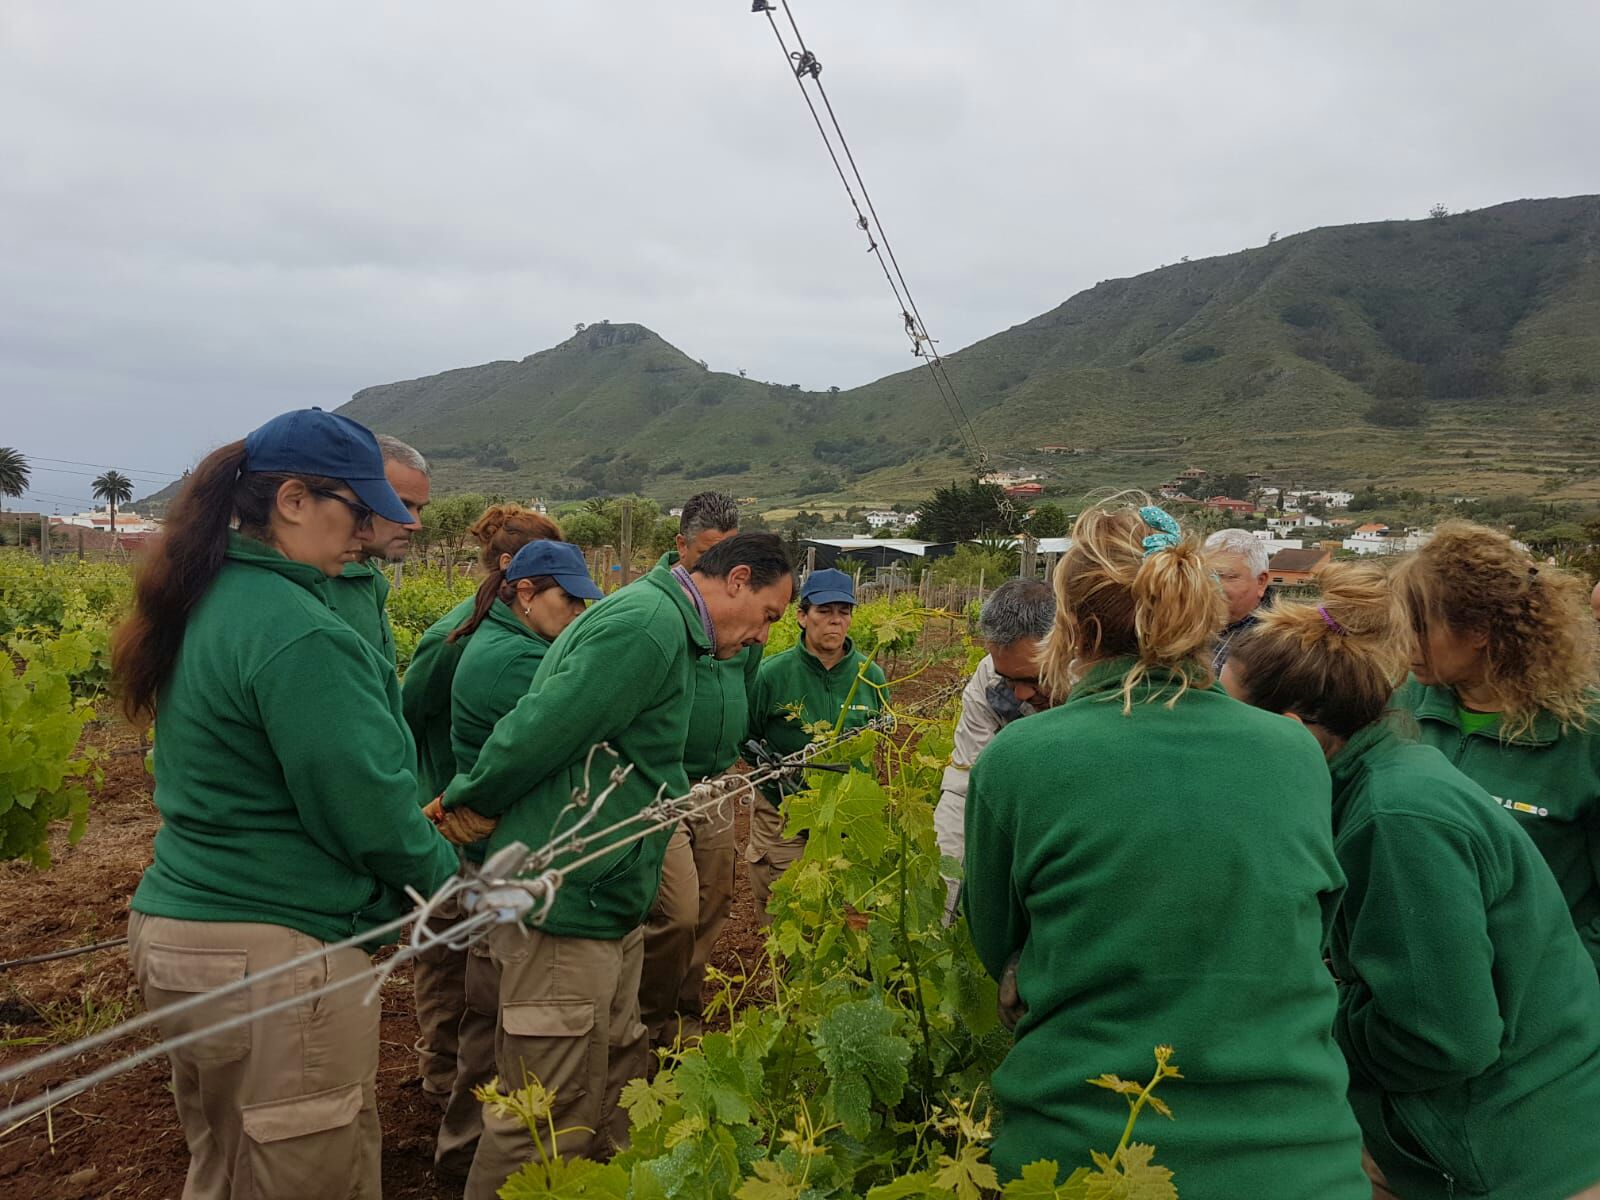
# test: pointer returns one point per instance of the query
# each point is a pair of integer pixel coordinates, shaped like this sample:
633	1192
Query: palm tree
14	472
114	488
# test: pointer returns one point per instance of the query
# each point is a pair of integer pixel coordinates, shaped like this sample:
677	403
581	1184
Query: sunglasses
360	511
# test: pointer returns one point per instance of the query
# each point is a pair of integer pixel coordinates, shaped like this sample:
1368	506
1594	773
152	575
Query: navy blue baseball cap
562	561
309	441
828	587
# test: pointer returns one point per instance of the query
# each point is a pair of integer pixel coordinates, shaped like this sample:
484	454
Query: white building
1328	499
882	518
1274	544
1380	539
127	521
1007	479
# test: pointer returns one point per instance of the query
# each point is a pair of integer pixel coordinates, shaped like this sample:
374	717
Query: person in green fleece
623	676
1469	1011
696	891
360	593
822	677
517	612
439	975
288	805
1158	859
1503	684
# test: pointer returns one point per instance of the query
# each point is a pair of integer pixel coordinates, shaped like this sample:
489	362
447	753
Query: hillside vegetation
1456	353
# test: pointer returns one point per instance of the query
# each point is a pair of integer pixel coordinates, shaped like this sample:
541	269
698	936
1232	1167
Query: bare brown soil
122	1140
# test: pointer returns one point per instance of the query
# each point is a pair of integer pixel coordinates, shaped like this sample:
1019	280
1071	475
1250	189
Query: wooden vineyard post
80	545
399	572
625	536
811	561
1030	556
44	539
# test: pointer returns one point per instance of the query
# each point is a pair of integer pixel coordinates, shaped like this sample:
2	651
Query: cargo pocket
169	974
548	1040
306	1146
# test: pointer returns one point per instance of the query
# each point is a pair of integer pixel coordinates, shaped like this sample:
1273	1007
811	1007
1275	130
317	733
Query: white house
1380	539
1007	479
127	521
1274	544
1329	499
882	518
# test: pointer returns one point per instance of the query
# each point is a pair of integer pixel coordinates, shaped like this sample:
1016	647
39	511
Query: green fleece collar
500	613
362	568
1107	676
252	553
845	666
1351	759
1439	704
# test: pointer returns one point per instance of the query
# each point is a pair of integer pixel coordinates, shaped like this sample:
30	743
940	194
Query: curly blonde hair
1540	633
1163	609
1334	663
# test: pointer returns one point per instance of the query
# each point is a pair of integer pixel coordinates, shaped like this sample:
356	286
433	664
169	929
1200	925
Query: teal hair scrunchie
1167	531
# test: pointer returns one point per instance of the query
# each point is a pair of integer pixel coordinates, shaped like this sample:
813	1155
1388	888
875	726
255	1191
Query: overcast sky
212	212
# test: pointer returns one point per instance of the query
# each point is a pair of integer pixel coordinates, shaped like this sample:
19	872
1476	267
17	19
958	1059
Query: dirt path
122	1140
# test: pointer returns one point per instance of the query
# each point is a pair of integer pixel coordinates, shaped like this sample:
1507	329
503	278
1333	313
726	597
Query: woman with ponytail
1503	666
288	806
1469	1012
500	532
518	611
1157	861
439	975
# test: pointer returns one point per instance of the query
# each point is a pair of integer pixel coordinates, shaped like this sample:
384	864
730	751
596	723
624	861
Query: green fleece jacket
1469	1011
623	674
793	689
1547	779
1168	876
498	663
425	700
282	765
361	596
719	723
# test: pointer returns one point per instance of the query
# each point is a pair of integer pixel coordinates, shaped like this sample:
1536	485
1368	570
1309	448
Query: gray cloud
211	212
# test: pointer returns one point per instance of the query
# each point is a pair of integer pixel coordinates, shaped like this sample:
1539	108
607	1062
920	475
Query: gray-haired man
1239	559
361	594
1004	688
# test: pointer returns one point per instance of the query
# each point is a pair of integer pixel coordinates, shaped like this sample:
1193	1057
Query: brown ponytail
1163	609
494	588
183	564
507	528
1333	664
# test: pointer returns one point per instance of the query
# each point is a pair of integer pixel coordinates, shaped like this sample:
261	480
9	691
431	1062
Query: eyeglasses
360	511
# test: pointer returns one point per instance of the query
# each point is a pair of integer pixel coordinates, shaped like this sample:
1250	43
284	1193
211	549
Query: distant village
1301	528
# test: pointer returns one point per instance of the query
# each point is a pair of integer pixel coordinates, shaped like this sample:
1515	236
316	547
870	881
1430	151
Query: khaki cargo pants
769	853
569	1017
471	1039
282	1108
439	984
691	908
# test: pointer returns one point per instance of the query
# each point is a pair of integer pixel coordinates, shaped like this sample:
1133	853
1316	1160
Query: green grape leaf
1038	1182
865	1060
566	1179
921	1185
645	1102
967	1174
772	1182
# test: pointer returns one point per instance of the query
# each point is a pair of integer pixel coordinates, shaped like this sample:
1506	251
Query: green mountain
1454	353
